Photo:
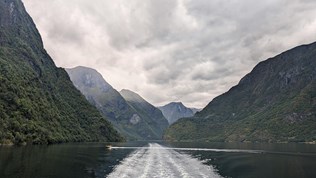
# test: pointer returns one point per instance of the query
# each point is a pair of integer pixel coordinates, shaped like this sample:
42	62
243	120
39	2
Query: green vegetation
38	103
276	102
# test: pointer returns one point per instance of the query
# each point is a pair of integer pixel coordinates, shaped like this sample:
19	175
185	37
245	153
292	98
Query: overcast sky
172	50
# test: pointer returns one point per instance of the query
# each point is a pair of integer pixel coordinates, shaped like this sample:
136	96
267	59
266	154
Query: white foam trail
157	161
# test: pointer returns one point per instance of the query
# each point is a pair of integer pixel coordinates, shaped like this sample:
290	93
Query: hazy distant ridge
176	110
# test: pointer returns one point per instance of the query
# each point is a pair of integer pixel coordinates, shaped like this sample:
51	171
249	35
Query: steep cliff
38	102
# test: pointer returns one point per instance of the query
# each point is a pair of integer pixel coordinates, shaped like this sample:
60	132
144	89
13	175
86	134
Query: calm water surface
141	159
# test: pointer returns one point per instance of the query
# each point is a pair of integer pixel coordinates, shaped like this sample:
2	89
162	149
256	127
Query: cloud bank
172	50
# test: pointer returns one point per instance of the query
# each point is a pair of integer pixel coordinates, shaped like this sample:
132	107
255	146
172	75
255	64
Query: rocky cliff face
176	110
135	123
17	25
274	102
38	102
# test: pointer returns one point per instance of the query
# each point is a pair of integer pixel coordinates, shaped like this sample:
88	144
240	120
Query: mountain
176	110
131	122
275	102
147	112
195	110
38	102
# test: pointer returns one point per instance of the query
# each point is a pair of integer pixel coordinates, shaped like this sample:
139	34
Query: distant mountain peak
176	110
131	96
176	103
88	77
127	91
85	68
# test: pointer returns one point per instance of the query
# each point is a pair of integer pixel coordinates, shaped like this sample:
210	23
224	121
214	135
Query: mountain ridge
275	102
134	123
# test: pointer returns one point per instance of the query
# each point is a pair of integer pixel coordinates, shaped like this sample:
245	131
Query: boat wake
158	161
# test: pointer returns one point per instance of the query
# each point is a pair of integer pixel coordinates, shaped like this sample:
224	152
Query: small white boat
109	147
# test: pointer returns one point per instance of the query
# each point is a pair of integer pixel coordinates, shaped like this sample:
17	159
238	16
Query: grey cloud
211	75
181	50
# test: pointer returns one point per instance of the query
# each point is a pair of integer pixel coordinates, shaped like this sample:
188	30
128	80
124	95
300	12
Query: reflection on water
47	161
278	160
94	160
